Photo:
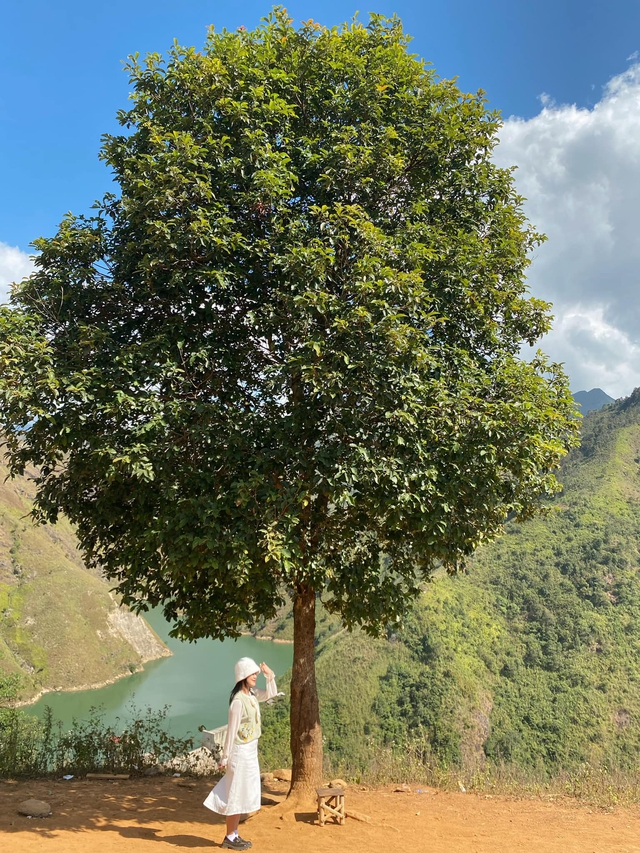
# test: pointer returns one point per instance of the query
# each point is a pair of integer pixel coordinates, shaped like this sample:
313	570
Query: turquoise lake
195	682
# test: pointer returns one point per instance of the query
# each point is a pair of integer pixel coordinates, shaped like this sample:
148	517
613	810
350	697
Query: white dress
238	792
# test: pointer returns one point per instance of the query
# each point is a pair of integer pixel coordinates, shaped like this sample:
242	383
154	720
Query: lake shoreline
25	703
267	639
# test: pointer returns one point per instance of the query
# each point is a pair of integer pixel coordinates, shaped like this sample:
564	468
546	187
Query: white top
235	715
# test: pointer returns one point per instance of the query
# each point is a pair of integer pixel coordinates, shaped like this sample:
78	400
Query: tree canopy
285	354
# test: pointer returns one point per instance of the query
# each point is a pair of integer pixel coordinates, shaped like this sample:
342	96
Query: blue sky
61	83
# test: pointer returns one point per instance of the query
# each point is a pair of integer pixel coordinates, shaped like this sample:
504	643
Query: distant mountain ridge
591	400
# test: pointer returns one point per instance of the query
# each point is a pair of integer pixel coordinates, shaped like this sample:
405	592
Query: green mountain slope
59	626
532	657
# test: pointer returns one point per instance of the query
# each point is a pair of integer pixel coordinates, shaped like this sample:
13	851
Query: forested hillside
59	626
532	657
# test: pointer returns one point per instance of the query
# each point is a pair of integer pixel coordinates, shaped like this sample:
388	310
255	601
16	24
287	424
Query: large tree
283	358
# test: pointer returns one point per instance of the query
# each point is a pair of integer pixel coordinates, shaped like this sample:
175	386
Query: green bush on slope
33	747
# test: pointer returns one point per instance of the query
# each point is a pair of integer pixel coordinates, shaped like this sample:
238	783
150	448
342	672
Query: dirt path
152	816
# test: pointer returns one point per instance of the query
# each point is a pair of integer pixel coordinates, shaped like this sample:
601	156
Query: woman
238	792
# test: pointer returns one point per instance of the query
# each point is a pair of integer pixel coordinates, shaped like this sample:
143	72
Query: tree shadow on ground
138	808
151	834
135	809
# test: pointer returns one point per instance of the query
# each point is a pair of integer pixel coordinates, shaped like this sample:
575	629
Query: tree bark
306	734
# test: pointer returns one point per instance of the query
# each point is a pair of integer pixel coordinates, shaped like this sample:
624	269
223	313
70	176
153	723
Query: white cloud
14	266
597	354
580	172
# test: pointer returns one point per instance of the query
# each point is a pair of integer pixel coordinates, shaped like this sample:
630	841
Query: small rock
338	783
266	777
282	775
34	808
154	770
402	789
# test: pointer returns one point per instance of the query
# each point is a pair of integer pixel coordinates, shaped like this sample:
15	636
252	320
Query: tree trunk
306	734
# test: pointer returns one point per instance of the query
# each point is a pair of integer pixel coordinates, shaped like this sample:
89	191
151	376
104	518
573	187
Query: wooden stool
330	804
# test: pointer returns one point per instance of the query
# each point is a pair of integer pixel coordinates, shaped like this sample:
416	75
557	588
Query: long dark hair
237	689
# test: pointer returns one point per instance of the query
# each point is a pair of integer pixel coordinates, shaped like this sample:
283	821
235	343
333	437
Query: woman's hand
268	673
222	764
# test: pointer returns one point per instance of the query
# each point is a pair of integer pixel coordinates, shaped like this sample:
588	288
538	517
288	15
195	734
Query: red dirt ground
97	816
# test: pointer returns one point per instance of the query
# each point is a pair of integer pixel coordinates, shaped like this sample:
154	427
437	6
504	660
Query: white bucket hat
244	668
